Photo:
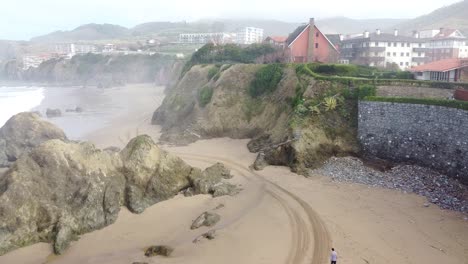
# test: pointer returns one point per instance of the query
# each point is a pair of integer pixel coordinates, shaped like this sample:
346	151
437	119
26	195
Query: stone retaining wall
430	136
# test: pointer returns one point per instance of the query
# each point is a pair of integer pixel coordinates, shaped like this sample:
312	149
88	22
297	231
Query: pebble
446	192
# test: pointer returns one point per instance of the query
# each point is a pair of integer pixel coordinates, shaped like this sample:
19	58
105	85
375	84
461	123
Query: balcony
371	49
420	59
420	49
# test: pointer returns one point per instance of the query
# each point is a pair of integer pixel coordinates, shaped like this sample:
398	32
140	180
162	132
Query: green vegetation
204	96
425	101
252	107
360	92
228	53
213	71
304	69
266	80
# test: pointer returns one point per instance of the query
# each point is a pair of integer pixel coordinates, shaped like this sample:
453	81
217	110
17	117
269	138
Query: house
383	50
444	44
204	38
448	70
308	44
277	41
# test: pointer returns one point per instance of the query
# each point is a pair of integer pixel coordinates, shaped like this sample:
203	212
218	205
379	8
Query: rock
219	207
57	191
23	132
225	189
53	112
189	192
205	219
210	235
426	205
159	250
260	162
60	190
208	181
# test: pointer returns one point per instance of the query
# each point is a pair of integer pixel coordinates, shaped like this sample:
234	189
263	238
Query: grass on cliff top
424	101
266	80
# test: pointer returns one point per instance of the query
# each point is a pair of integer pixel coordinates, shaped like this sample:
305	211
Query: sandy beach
279	217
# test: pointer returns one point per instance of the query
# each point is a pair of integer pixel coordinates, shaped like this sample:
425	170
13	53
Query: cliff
98	70
224	101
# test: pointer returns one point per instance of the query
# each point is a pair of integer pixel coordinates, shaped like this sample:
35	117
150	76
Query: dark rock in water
205	219
23	132
159	251
53	112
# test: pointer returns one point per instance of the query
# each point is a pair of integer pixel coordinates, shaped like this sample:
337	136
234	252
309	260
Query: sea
14	100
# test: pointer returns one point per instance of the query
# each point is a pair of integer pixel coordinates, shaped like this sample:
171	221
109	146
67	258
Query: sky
24	19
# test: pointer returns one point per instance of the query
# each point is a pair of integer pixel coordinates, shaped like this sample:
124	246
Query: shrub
360	92
266	80
425	101
204	96
212	72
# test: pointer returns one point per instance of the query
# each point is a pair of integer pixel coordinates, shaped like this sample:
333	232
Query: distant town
431	54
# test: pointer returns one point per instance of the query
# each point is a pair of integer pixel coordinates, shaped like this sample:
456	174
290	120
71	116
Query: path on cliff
310	239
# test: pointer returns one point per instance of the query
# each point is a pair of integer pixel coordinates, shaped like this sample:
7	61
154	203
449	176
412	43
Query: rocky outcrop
159	251
60	190
283	134
23	132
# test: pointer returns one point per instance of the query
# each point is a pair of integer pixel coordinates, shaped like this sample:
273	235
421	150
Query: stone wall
430	136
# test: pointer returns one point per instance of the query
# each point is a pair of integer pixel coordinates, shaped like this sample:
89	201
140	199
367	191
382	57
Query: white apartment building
70	49
444	44
33	61
249	35
384	50
203	38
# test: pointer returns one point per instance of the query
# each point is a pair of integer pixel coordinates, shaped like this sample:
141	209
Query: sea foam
14	100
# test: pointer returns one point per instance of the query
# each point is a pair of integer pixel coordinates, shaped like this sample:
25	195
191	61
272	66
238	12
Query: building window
389	44
420	45
407	63
376	44
419	54
402	44
402	54
394	54
394	44
407	54
388	54
316	45
407	45
401	63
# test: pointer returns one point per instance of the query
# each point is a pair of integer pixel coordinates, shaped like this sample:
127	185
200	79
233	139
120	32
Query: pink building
308	44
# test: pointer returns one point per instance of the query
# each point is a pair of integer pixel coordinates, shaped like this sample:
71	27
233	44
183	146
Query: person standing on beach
333	256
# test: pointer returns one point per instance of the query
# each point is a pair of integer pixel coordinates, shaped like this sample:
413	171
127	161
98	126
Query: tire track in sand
300	230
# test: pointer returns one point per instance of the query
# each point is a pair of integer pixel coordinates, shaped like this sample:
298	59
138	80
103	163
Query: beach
278	217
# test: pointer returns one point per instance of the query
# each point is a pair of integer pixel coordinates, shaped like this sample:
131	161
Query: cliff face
186	116
98	70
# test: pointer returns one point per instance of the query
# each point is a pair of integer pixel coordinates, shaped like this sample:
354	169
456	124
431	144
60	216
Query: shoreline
362	222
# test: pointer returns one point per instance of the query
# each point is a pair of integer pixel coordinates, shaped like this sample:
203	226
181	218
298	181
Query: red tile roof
278	38
441	66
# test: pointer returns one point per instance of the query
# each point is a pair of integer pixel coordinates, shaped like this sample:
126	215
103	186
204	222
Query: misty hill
452	16
346	25
85	32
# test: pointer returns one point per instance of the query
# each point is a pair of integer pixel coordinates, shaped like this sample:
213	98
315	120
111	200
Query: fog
24	19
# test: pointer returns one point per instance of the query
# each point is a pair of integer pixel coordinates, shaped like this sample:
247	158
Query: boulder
205	219
60	190
209	180
23	132
53	112
159	251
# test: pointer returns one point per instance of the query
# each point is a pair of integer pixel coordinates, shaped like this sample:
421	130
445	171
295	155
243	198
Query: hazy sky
23	19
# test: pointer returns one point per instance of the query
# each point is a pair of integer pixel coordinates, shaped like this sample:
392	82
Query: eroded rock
159	251
23	132
205	219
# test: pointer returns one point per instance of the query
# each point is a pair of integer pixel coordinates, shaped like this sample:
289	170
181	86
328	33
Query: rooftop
385	37
278	38
441	66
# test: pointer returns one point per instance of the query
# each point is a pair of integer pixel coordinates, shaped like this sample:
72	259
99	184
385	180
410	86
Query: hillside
85	32
346	25
452	16
98	70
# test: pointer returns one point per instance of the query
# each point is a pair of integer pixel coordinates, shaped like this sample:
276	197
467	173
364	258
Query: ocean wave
14	100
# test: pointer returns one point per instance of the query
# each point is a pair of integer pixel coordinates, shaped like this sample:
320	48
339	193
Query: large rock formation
23	132
60	189
284	133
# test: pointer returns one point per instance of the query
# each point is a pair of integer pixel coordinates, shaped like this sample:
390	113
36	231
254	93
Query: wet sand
279	217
